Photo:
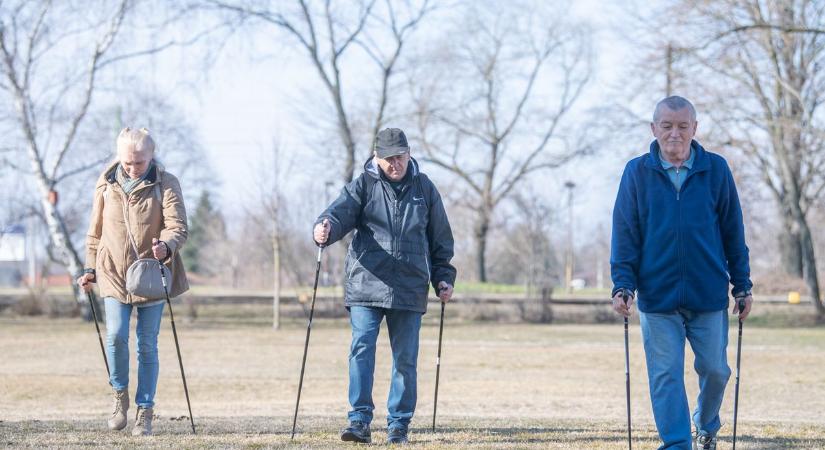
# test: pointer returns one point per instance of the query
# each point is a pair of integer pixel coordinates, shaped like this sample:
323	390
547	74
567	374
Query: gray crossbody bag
143	277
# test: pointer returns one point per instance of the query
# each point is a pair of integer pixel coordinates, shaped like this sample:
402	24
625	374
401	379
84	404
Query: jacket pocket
106	268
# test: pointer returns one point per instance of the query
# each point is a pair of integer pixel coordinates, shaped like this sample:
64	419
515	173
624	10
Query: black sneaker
704	442
357	432
397	436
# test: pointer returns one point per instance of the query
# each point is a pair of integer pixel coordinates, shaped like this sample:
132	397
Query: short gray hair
135	140
674	103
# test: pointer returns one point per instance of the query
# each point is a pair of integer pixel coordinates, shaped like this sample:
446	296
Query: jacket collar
371	167
154	173
701	161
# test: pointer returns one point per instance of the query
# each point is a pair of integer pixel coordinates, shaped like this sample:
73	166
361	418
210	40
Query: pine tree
206	228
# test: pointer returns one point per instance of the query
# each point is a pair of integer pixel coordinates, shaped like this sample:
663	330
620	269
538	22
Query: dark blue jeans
403	327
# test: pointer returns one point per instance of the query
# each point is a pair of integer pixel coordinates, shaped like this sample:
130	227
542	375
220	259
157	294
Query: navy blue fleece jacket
679	249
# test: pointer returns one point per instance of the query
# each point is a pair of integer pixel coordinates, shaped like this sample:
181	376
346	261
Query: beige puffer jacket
155	210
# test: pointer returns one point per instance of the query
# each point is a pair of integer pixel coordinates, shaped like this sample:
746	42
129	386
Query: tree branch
100	49
81	169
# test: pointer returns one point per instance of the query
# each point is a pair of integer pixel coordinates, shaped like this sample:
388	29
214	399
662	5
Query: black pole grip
740	304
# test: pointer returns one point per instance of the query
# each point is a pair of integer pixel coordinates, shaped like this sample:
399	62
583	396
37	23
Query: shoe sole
111	428
351	437
395	436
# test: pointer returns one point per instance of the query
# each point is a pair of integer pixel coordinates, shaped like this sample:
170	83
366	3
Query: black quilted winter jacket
402	243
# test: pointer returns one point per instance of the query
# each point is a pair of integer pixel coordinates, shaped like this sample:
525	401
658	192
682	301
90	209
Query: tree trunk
481	230
790	247
276	288
809	259
349	143
65	251
344	128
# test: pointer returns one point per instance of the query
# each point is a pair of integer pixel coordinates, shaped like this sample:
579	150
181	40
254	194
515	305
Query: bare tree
492	105
525	253
328	32
771	54
30	34
267	209
272	201
53	61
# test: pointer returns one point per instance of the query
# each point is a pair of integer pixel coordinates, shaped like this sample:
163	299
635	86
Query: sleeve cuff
168	251
617	289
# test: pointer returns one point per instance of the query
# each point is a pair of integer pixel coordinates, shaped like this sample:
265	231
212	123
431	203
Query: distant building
12	255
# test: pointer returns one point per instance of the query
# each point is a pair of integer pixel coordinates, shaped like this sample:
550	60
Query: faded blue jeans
664	337
117	347
403	327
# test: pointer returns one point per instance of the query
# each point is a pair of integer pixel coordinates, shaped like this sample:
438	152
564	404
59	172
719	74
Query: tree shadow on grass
774	442
571	434
536	435
325	429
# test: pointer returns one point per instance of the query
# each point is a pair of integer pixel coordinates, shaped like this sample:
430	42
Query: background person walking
402	243
679	241
135	199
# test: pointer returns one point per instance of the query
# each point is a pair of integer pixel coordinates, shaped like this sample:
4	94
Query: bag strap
425	193
158	195
369	182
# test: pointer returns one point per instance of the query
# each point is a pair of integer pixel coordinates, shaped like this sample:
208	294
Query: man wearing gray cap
402	244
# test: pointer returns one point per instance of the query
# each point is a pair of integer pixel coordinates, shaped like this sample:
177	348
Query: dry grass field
502	386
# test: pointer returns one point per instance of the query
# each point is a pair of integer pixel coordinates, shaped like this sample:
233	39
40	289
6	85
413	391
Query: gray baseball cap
391	142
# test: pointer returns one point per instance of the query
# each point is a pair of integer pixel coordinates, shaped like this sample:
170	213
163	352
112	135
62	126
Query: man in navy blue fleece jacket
679	242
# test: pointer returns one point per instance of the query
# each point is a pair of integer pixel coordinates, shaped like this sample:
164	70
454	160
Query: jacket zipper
661	170
678	192
679	235
679	242
125	200
429	271
680	186
397	230
394	242
397	239
354	266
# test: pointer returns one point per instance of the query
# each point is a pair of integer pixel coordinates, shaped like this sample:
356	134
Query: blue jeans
403	327
117	347
664	341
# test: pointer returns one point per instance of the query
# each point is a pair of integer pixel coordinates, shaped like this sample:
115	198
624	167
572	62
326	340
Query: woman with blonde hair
138	212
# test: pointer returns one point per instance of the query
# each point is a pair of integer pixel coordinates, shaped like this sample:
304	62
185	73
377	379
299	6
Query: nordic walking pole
740	302
89	295
627	371
306	343
177	346
438	361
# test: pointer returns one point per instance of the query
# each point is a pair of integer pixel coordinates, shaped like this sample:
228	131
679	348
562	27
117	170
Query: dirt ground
502	386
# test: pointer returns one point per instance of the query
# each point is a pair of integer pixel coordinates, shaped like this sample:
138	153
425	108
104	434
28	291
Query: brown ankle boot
143	422
118	419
